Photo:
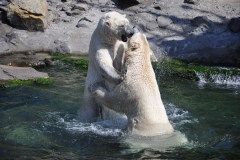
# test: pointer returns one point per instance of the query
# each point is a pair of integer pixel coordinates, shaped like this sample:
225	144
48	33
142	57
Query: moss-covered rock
17	82
79	61
173	67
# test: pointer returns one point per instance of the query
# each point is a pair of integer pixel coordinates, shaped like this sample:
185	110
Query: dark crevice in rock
8	74
30	13
3	16
123	4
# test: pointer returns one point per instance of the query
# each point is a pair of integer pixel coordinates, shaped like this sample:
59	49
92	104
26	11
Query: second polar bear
105	59
138	95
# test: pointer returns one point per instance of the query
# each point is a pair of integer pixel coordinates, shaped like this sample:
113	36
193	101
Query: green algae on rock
17	82
173	67
79	61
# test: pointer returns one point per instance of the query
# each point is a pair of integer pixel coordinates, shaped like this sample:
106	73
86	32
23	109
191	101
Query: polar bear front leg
109	99
90	110
105	68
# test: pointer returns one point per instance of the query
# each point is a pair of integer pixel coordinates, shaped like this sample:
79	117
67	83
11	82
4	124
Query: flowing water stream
41	122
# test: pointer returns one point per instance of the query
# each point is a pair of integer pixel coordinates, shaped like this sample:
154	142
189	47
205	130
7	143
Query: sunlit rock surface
28	14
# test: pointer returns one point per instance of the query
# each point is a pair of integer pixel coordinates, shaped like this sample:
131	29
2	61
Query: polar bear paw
97	89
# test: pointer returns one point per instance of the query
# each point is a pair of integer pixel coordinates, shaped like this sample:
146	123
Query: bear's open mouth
124	38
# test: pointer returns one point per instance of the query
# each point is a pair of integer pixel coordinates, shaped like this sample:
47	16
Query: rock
191	1
202	25
87	1
84	22
4	76
30	53
234	24
110	4
123	4
81	6
59	6
3	15
65	8
157	7
86	19
61	47
28	14
74	12
57	20
67	19
3	45
105	9
140	1
53	3
210	49
151	26
143	6
65	1
163	22
4	2
201	21
147	17
21	73
199	30
48	62
12	38
39	64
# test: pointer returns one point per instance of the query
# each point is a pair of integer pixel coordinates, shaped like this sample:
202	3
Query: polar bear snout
128	32
135	29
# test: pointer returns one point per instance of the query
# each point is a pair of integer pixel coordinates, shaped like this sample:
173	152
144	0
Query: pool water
40	121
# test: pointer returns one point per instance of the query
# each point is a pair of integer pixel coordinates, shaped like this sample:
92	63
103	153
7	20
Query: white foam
178	116
94	128
219	78
114	127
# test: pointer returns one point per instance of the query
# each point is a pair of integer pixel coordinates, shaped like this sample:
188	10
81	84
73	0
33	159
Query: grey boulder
21	73
163	22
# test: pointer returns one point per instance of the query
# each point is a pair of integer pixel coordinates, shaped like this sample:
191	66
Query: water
41	122
219	78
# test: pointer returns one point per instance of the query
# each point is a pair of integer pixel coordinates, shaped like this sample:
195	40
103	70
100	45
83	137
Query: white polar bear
105	59
138	95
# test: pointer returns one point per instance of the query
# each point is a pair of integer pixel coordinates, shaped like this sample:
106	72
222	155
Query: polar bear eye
121	26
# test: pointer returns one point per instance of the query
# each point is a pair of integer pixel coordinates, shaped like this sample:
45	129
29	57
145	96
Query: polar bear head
115	26
138	45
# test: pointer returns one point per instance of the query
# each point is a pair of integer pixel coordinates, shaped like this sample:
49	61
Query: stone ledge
21	73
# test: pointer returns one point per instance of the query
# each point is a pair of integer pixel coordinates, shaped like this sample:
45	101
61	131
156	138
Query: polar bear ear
108	22
124	15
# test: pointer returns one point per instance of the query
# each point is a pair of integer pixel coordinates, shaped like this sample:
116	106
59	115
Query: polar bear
138	95
106	50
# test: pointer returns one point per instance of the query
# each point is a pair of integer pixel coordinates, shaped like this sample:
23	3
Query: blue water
41	122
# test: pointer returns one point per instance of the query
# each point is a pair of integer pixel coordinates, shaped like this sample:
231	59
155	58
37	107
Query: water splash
70	123
177	116
219	78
